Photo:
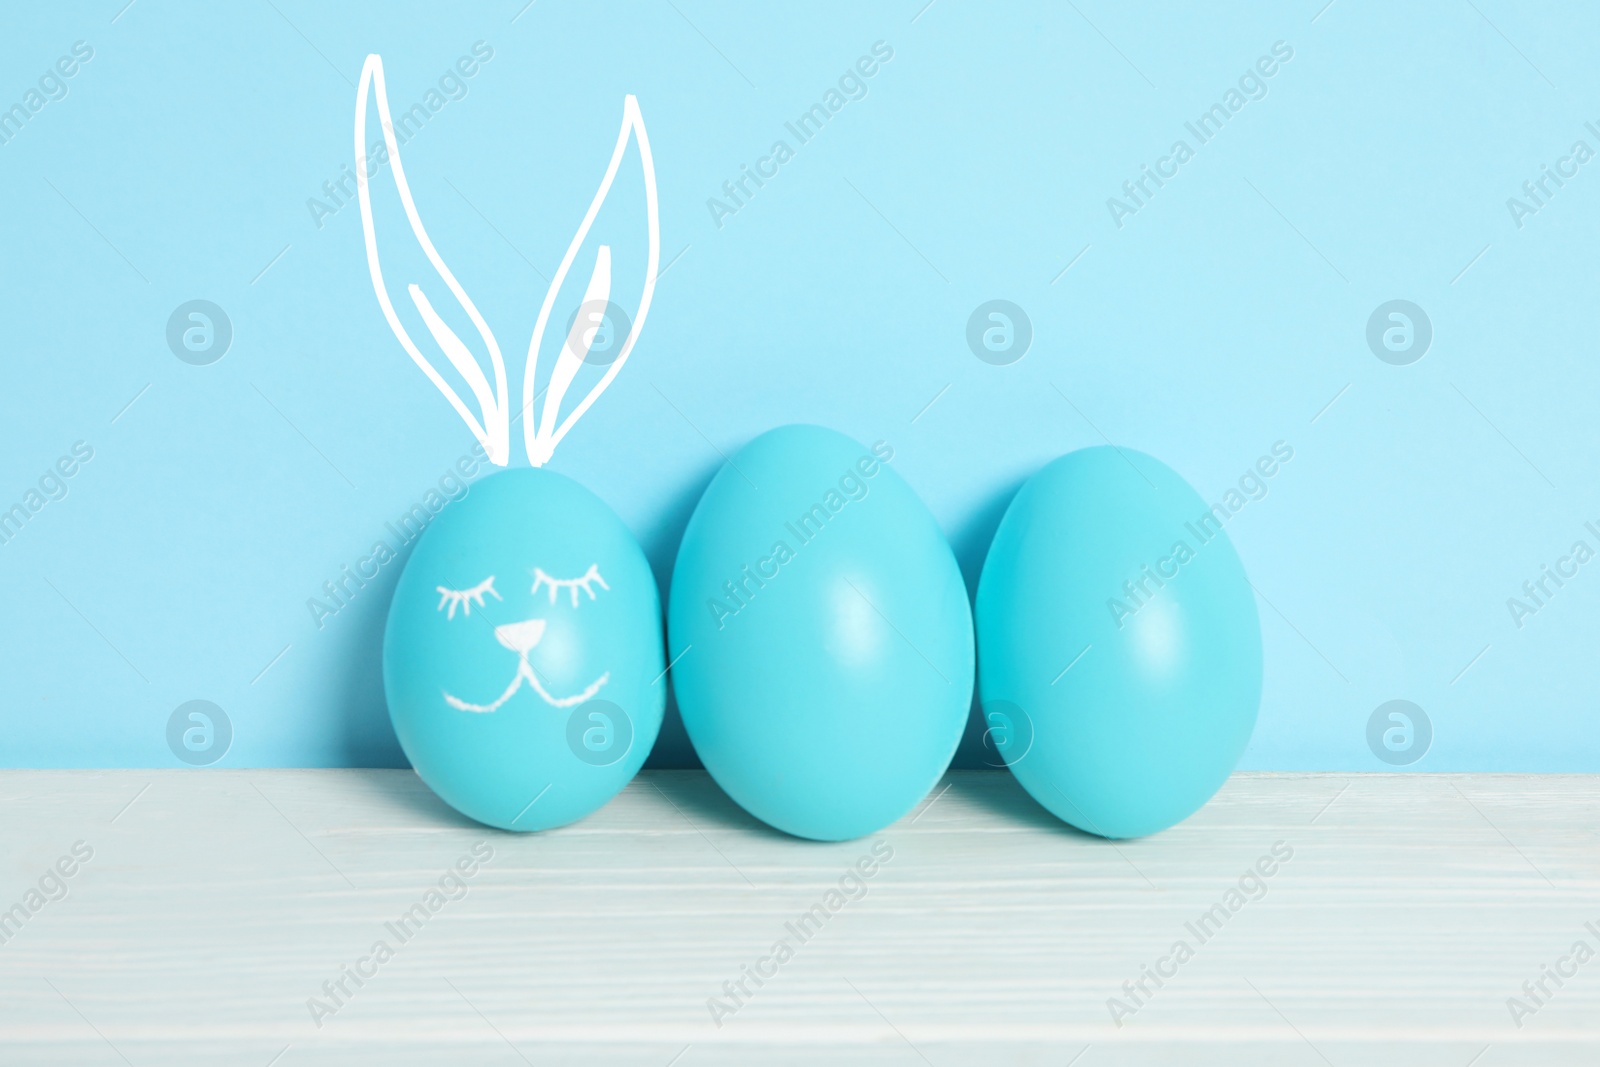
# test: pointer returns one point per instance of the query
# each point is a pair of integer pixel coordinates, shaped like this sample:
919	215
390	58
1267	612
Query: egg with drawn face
523	659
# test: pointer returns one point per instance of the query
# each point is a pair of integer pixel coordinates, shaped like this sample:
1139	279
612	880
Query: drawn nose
520	637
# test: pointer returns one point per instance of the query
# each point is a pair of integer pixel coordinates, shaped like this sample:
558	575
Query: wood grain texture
217	903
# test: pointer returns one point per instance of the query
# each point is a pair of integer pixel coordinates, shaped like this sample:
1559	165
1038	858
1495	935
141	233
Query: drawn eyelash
465	598
555	585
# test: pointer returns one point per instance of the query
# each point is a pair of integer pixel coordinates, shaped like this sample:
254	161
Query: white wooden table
216	904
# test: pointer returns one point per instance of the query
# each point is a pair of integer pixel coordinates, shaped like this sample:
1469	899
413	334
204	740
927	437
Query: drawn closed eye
586	582
465	598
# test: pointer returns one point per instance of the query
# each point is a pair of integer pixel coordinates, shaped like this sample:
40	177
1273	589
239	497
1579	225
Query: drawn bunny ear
541	438
493	430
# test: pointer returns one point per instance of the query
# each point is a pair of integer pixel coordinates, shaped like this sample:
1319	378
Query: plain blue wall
1223	316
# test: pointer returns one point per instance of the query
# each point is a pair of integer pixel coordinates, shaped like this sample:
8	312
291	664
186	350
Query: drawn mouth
521	638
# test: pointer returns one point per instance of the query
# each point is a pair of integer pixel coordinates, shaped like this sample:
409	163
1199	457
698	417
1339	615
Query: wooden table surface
235	917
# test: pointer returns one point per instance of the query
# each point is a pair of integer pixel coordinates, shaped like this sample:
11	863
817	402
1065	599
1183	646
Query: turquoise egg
522	659
1119	643
824	636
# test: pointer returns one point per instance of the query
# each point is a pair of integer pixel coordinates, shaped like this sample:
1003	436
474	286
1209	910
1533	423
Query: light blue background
1223	317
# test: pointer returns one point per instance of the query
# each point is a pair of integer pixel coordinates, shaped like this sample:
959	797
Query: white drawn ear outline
541	440
494	431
